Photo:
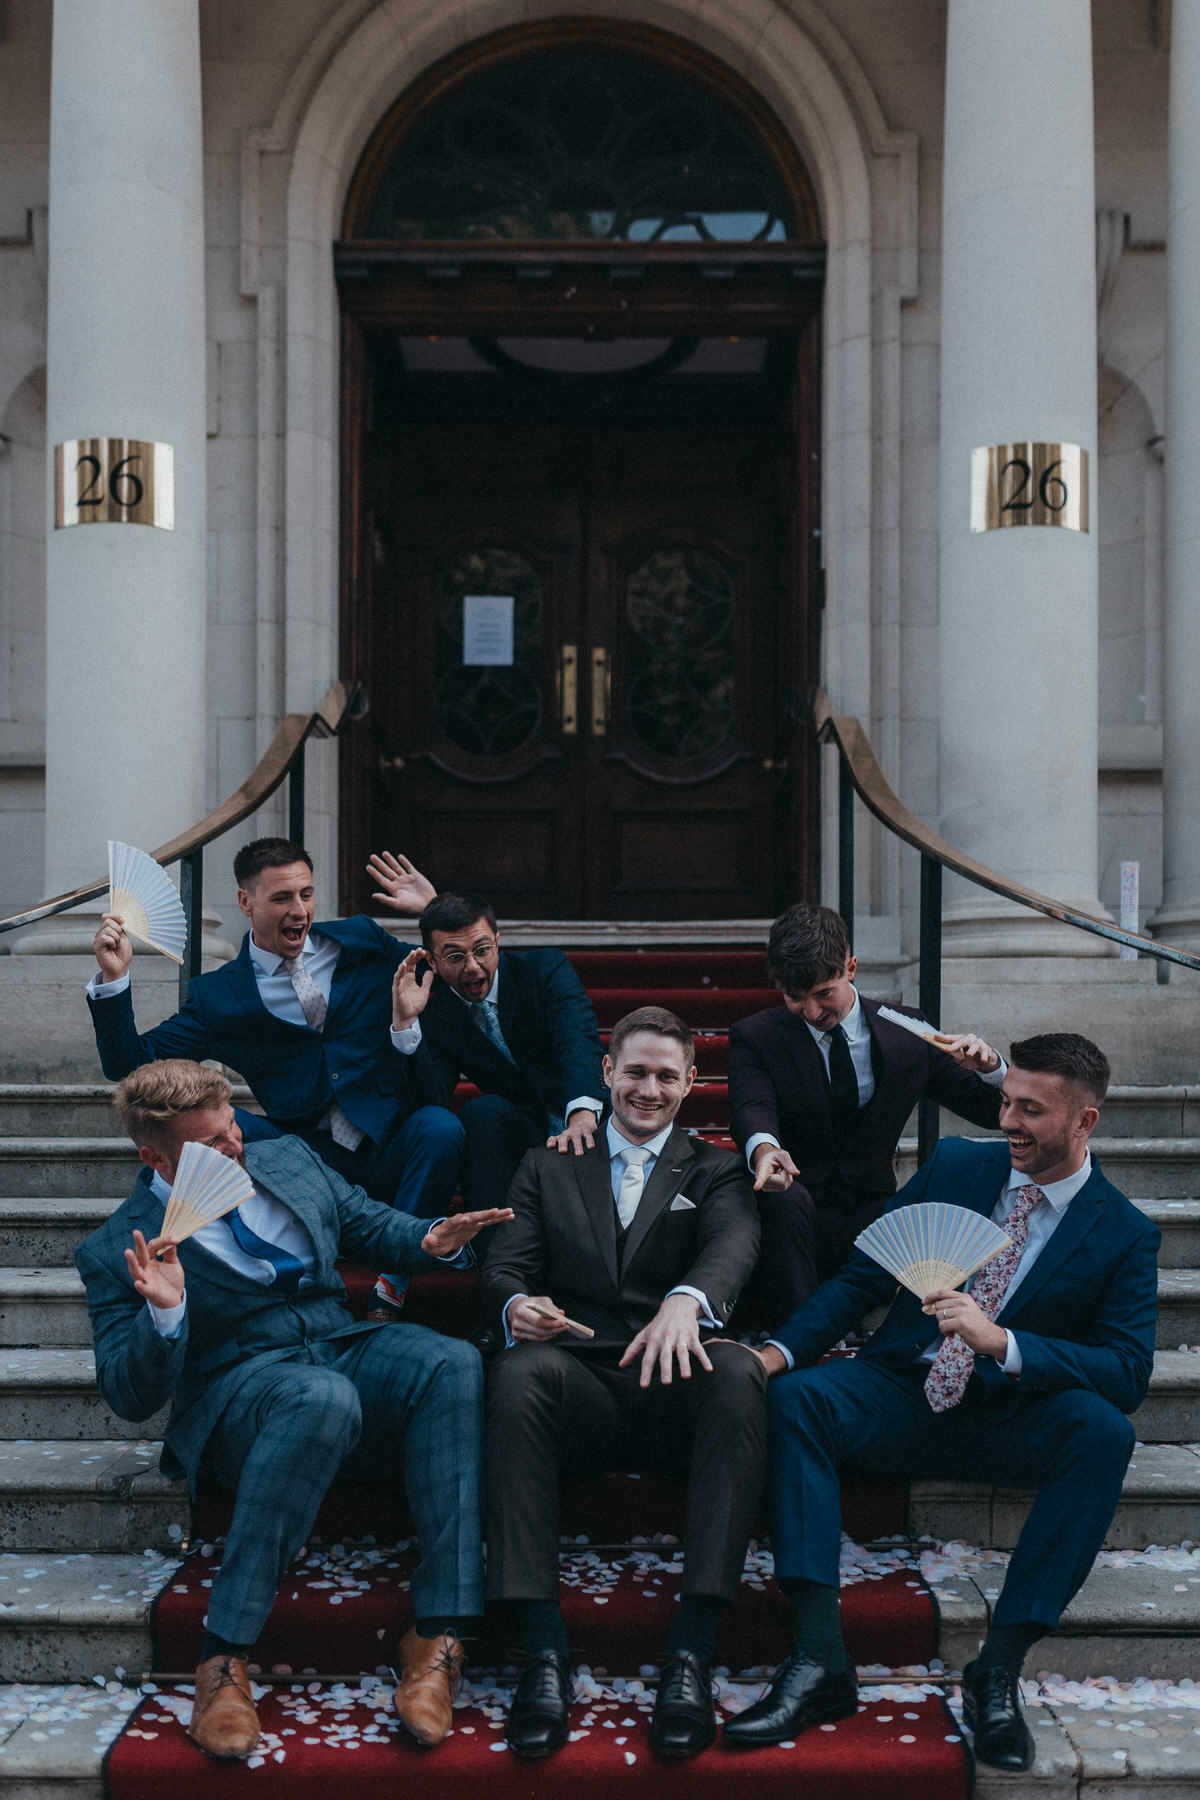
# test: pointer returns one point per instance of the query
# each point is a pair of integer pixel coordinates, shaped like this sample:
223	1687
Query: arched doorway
580	276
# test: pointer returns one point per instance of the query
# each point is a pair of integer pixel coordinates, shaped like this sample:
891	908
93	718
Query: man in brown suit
644	1240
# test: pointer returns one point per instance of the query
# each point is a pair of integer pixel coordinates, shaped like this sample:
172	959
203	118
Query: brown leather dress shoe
224	1722
430	1670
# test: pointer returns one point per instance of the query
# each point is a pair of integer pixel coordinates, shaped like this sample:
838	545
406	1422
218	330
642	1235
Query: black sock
1008	1645
219	1646
695	1625
541	1625
436	1624
817	1622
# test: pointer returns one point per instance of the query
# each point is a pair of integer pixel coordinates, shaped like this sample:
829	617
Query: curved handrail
344	701
873	789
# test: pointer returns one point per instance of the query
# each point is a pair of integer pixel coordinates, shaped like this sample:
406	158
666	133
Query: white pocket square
681	1203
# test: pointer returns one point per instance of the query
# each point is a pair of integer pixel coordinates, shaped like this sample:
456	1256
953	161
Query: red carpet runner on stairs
338	1617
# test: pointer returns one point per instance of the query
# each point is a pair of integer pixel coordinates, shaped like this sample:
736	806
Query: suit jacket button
336	1075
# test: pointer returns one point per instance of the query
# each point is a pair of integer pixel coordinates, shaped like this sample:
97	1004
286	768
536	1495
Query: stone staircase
90	1531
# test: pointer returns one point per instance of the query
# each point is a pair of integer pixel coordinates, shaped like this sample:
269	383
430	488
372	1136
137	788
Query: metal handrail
859	773
283	758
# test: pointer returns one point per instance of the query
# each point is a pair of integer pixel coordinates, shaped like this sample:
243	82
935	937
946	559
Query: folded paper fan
207	1185
142	893
930	1245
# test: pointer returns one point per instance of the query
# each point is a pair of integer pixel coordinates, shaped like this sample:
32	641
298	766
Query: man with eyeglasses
519	1027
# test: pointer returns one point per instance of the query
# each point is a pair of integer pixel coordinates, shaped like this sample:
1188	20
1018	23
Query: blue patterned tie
486	1015
288	1268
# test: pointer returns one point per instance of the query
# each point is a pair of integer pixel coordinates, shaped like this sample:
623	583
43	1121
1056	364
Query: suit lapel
1081	1216
666	1179
198	1264
285	1176
810	1071
244	983
593	1172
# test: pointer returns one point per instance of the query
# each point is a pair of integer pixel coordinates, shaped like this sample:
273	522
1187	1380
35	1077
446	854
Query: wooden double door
585	655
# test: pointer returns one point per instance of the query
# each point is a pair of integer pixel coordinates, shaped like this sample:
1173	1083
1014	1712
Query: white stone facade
292	89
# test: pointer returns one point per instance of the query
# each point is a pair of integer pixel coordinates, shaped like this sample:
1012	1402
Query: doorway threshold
614	934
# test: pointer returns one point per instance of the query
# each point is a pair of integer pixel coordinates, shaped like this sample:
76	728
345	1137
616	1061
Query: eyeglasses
481	952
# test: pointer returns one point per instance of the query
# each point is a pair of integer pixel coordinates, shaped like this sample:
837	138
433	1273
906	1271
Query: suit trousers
553	1411
397	1401
497	1135
1072	1446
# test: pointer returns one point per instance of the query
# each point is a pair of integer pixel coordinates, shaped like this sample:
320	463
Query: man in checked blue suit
1023	1380
303	1014
274	1387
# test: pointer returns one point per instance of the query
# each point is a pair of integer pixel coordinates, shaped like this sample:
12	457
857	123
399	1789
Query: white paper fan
930	1245
141	892
920	1028
207	1185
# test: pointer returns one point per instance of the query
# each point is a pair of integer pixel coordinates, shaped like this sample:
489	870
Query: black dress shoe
537	1719
802	1693
992	1713
683	1723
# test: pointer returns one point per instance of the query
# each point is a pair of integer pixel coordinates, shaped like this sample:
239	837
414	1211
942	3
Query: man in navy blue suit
520	1027
303	1014
1023	1380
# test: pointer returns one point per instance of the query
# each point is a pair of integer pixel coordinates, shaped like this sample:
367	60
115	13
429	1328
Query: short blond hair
153	1096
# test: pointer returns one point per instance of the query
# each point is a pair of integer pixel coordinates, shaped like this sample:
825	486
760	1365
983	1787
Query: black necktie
843	1083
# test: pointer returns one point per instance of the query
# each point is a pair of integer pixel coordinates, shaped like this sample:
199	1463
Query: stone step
41	1232
75	1617
1150	1168
52	1394
70	1109
1160	1504
53	1739
46	1166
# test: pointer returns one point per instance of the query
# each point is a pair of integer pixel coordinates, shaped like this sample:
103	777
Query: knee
325	1413
516	1376
738	1378
436	1129
1091	1431
489	1113
460	1366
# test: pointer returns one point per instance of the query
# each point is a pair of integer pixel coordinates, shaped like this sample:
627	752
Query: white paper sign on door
488	631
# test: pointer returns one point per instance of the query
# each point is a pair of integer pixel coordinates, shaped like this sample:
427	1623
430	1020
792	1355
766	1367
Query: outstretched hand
449	1235
969	1050
399	885
161	1283
774	1170
673	1335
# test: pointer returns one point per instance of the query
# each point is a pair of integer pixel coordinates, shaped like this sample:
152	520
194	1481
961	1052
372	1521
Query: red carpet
348	1743
343	1607
344	1610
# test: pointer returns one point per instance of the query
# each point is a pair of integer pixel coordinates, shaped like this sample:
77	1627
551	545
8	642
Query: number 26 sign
1029	484
114	481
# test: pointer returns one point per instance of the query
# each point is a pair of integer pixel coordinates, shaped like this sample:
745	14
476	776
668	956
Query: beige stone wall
292	89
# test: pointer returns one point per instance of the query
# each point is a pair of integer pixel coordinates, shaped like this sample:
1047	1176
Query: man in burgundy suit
820	1089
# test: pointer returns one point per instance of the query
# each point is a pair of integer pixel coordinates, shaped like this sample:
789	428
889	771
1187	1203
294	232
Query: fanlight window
582	144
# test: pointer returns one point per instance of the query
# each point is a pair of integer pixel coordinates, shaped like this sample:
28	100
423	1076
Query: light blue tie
486	1016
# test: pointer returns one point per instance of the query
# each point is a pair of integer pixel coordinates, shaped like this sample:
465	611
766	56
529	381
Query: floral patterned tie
951	1369
313	1005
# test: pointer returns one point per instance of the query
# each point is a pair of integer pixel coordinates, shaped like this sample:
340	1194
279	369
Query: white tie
632	1183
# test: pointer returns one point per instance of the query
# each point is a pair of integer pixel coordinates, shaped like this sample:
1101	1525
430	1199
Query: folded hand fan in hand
207	1185
930	1245
142	894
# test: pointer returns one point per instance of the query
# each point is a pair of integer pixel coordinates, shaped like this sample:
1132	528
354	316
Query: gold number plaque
114	481
1029	484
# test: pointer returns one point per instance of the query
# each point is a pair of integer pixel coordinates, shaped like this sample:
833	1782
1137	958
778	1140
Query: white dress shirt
618	1143
1040	1225
407	1040
858	1037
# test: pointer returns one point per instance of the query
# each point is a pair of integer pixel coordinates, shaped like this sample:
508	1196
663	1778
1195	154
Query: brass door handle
601	692
568	690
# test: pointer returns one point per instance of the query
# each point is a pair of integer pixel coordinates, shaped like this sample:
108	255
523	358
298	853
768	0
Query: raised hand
399	885
409	993
114	952
969	1050
159	1282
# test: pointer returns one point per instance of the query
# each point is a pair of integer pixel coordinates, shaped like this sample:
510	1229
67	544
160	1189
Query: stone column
1018	607
1178	919
125	603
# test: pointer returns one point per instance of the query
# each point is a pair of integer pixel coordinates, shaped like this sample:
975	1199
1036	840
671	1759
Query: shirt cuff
408	1039
995	1078
592	1105
509	1339
760	1137
168	1320
707	1316
783	1350
1012	1360
100	989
